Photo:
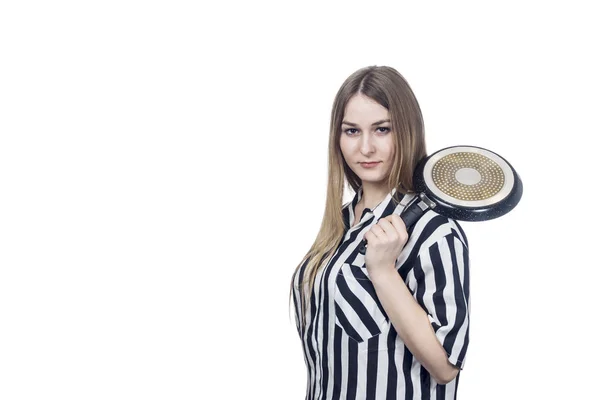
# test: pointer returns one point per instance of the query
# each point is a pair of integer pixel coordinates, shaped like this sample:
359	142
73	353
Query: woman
392	323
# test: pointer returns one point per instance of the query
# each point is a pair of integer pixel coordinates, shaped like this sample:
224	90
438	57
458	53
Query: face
367	137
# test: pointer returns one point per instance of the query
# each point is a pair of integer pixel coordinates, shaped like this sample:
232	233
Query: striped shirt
351	349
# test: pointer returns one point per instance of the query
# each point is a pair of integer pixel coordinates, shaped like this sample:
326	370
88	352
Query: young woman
392	323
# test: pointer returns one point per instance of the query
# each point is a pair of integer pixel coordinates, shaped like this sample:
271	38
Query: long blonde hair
387	87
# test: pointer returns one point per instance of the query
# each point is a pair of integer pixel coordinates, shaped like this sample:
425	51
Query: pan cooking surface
468	176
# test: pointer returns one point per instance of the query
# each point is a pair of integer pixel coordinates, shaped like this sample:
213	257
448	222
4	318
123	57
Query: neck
372	195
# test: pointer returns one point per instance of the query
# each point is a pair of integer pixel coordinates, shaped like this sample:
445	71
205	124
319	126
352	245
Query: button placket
366	215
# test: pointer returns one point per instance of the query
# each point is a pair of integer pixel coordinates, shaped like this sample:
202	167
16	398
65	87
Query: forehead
364	110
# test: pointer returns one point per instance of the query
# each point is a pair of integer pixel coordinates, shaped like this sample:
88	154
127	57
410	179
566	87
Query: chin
370	179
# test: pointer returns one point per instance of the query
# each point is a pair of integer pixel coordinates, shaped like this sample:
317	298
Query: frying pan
466	183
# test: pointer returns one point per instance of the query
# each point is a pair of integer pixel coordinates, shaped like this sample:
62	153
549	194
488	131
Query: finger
386	225
399	226
398	223
370	237
377	231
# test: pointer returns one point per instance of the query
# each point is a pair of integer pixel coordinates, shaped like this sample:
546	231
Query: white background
163	170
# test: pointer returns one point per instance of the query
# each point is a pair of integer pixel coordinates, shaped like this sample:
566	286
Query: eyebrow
373	124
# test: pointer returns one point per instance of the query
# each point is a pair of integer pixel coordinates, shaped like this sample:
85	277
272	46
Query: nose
366	144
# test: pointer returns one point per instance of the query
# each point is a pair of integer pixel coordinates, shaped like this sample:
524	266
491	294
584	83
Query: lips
369	165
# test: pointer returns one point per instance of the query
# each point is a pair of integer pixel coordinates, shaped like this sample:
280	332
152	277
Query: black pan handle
409	216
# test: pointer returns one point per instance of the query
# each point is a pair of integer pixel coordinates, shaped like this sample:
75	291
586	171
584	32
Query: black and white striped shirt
351	349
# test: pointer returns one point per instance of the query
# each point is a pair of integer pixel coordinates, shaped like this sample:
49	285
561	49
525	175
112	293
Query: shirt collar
377	210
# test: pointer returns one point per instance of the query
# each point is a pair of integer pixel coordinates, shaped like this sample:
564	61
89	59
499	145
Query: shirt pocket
357	309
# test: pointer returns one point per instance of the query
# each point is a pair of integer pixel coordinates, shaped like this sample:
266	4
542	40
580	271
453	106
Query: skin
364	139
362	142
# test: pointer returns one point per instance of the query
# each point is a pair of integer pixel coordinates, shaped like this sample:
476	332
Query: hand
386	239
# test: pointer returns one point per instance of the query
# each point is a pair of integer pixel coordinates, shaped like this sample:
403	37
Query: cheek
344	147
391	149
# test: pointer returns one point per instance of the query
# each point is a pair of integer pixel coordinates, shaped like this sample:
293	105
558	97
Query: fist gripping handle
409	216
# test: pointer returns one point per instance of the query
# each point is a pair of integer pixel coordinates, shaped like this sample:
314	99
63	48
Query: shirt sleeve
441	286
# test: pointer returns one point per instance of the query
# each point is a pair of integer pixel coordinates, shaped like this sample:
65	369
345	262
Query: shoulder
428	235
433	227
346	214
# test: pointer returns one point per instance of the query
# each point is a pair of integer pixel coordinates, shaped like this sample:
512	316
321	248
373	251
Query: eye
385	129
348	131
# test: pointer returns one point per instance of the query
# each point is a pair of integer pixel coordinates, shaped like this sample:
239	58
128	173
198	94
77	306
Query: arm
412	324
430	312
